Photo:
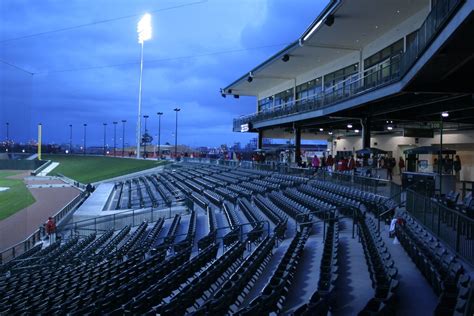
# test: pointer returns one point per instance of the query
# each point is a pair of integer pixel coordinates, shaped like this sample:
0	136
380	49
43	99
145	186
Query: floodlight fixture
144	28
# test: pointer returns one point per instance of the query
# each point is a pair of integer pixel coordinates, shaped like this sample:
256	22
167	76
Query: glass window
308	89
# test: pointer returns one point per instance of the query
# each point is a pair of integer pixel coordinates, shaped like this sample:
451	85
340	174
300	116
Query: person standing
351	163
51	230
401	165
315	163
457	168
329	162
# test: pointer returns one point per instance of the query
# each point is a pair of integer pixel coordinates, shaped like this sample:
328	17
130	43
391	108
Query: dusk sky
87	71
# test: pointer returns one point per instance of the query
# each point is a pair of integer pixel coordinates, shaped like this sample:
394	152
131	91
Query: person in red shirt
51	229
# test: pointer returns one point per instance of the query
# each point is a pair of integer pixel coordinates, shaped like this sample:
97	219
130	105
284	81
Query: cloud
108	94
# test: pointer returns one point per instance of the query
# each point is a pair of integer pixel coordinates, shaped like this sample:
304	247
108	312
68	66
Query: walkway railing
454	228
375	185
118	220
16	250
370	80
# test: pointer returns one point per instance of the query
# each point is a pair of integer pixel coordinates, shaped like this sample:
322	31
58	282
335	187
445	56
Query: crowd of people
350	163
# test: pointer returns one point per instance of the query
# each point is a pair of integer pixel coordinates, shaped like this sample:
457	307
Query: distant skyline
87	70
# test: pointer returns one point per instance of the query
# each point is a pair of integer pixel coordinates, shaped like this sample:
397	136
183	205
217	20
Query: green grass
88	169
16	198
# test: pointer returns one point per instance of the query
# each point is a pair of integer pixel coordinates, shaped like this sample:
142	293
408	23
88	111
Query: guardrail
455	229
21	247
375	185
120	219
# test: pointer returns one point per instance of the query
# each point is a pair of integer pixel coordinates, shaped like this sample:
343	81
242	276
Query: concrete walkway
48	169
416	297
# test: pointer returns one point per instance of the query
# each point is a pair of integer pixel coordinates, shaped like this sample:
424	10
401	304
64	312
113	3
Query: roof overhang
342	28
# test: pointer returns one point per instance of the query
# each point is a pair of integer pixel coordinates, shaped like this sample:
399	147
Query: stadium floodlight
445	114
144	34
176	134
144	28
349	125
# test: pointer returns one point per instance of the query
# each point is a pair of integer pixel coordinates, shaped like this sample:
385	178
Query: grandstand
223	237
247	242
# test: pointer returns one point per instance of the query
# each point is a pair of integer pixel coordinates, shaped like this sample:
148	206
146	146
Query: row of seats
151	195
204	285
466	206
227	194
234	223
232	293
157	290
211	236
335	199
128	283
374	202
55	286
381	269
188	241
321	299
274	214
133	240
21	258
77	248
290	207
199	199
95	245
214	197
113	243
152	235
254	218
439	266
272	297
317	206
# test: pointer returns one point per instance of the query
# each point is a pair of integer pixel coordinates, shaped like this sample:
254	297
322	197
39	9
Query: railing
374	185
16	250
455	229
118	220
372	79
433	23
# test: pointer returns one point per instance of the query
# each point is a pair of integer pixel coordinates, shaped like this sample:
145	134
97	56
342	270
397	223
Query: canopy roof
355	24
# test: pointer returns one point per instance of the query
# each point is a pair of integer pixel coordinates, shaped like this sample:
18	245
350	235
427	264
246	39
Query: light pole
176	134
123	137
8	135
115	137
105	136
159	133
85	128
145	136
144	34
70	138
440	155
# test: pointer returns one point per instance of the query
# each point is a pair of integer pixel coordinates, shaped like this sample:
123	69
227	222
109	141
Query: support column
297	145
260	140
365	132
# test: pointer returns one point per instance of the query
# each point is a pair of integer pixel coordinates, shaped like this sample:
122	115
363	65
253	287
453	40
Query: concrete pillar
365	132
297	144
260	140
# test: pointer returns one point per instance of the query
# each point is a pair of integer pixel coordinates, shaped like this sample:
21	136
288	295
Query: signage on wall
244	127
418	132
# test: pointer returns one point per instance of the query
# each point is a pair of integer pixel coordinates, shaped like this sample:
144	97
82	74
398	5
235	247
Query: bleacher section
242	248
